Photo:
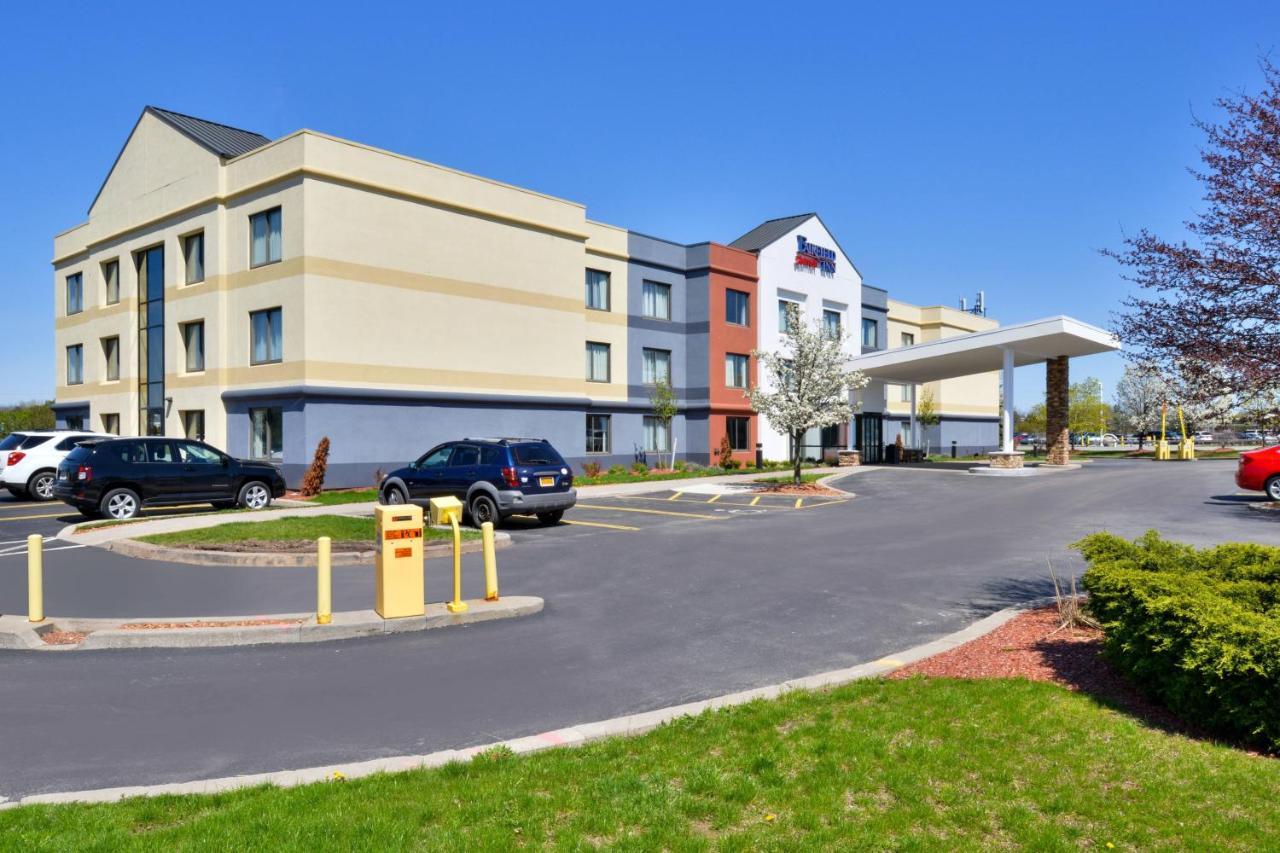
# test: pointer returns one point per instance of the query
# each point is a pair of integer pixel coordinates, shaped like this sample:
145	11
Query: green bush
1198	629
591	469
639	468
617	470
680	465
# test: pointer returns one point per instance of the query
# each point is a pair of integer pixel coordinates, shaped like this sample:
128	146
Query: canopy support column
1006	404
1056	395
915	440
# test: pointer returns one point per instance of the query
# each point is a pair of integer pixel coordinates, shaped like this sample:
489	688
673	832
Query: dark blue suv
493	477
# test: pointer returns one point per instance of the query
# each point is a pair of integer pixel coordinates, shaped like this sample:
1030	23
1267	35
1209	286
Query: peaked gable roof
220	139
767	233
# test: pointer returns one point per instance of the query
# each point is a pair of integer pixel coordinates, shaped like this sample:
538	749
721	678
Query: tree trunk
796	454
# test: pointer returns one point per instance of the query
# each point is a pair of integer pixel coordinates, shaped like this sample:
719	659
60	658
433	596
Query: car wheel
1273	488
551	517
121	504
393	495
40	486
484	509
255	495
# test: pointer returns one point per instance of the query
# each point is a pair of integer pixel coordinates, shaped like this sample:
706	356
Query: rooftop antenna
964	304
980	306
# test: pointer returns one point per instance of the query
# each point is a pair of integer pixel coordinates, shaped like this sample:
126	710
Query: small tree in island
662	399
927	415
810	381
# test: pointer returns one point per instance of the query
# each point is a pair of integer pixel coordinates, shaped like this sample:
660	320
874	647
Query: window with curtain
831	323
784	316
908	339
739	431
264	237
193	340
75	293
735	370
111	281
598	290
906	393
75	364
657	300
111	423
737	307
267	341
657	435
193	425
656	366
193	252
598	433
111	357
266	433
870	333
597	362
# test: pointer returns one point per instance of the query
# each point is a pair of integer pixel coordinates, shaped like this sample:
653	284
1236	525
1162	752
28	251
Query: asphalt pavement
651	601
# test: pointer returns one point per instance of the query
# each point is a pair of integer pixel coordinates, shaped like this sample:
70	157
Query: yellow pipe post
35	578
457	605
490	563
324	580
1162	446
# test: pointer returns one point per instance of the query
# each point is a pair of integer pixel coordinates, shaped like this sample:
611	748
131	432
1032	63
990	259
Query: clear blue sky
951	148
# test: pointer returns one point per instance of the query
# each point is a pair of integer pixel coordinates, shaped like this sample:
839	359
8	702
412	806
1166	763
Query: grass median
296	529
919	764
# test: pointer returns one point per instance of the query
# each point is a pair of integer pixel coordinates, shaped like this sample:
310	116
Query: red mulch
1032	646
801	489
229	623
62	638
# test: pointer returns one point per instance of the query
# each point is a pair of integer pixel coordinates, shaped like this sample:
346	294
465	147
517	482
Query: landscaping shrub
1199	629
730	464
681	465
617	470
313	481
639	469
591	469
726	451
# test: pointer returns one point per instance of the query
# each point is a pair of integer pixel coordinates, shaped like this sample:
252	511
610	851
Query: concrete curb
17	633
148	551
577	735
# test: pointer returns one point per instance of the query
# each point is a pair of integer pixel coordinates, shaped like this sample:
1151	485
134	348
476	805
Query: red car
1259	471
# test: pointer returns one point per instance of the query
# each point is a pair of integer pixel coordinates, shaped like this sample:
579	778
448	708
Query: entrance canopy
982	352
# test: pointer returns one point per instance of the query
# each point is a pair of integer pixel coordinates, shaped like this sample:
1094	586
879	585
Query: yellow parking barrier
490	563
324	587
35	578
449	509
1186	447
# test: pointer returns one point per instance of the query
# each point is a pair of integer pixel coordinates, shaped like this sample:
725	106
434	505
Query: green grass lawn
341	528
351	496
789	478
915	764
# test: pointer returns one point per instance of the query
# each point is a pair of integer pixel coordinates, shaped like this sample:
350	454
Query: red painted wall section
731	269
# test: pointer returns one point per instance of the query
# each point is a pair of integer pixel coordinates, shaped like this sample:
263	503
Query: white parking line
21	552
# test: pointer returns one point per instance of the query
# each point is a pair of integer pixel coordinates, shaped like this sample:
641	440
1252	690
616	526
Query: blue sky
951	147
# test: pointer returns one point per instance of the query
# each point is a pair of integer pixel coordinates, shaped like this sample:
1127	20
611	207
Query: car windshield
11	441
539	453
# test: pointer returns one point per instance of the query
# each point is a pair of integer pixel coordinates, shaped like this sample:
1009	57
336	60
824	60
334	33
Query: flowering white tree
811	381
1139	396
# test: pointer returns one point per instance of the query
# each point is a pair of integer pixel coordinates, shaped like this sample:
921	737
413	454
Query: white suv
29	460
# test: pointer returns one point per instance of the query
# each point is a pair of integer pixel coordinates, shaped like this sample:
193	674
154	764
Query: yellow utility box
1186	449
446	509
398	588
1162	449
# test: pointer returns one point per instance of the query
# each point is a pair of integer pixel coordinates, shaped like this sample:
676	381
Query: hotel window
75	364
598	290
193	423
908	339
657	435
870	333
193	341
193	252
735	370
737	307
598	433
75	293
831	323
597	362
110	423
75	422
738	430
784	314
266	433
655	366
264	237
266	336
657	300
111	281
111	357
906	393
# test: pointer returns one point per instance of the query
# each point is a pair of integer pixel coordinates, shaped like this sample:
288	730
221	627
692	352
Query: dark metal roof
221	139
769	232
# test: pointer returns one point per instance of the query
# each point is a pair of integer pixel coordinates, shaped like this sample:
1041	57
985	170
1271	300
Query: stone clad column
1058	435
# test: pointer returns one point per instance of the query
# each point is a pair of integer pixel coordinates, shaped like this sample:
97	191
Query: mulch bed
63	638
804	489
1033	646
204	623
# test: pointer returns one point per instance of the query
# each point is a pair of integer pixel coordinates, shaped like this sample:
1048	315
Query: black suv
493	477
117	477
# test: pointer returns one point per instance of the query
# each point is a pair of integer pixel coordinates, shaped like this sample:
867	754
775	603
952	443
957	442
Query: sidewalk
133	529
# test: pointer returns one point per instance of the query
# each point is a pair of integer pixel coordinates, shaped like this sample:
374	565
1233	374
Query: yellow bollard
490	563
35	578
457	605
324	580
